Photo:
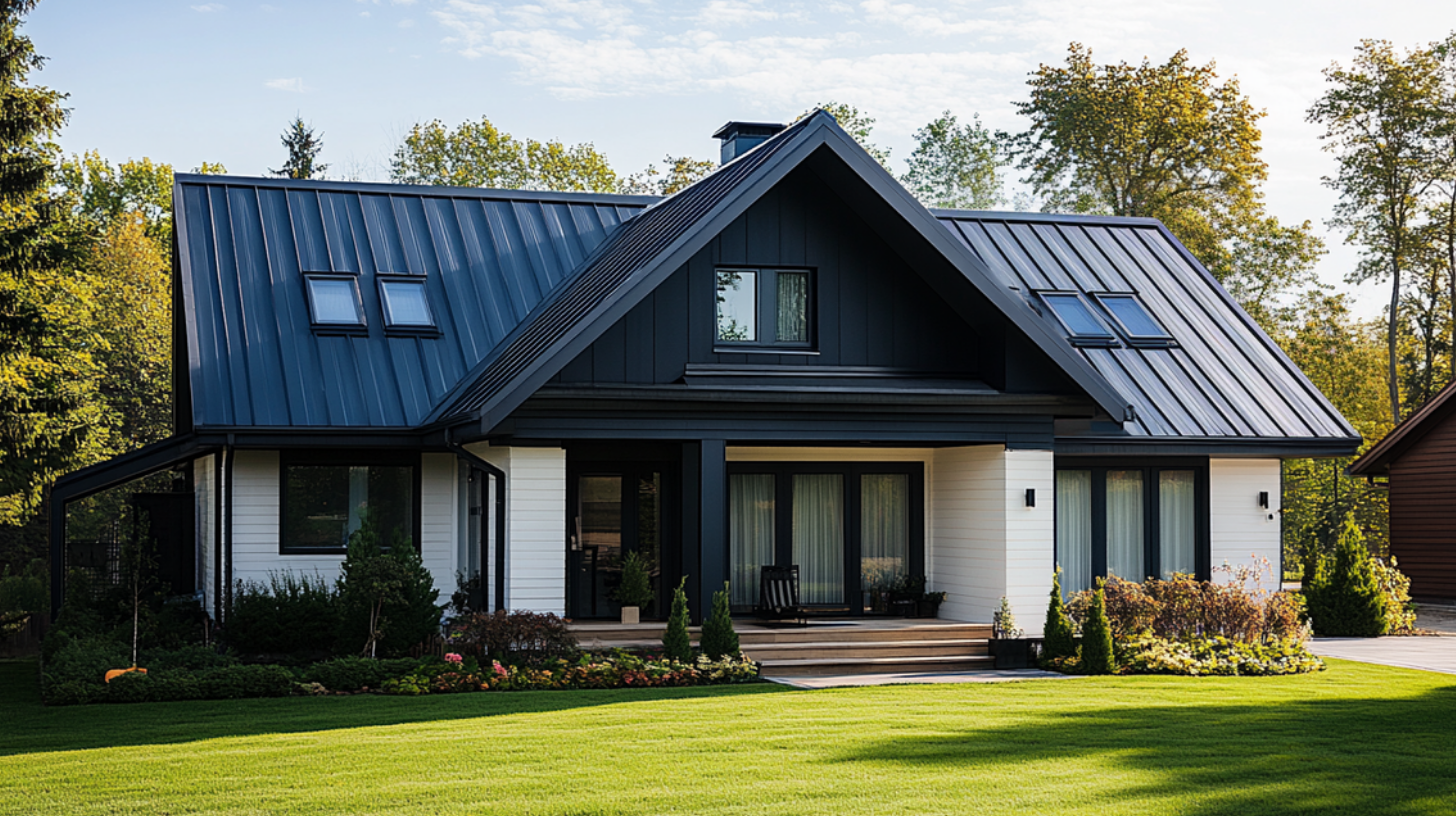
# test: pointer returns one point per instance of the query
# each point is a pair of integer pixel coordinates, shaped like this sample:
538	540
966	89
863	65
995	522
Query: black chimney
740	137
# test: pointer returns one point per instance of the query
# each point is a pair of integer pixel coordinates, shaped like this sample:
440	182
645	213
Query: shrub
1216	656
1129	608
1097	656
1400	613
719	640
386	597
1057	636
74	668
676	642
290	614
356	673
22	595
527	638
1344	598
636	586
1003	622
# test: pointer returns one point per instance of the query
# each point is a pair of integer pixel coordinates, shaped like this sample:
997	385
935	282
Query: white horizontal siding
439	489
1240	531
1030	536
204	494
535	525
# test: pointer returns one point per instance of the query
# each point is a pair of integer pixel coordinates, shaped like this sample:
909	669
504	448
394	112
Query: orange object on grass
115	673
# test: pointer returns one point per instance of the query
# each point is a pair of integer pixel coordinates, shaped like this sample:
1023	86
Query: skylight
1136	324
334	302
1083	326
405	305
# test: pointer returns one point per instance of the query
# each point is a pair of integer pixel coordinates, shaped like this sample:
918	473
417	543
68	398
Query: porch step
867	650
875	665
751	634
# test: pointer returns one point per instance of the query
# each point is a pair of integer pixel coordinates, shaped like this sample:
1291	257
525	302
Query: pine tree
719	640
677	644
1344	598
1097	654
303	149
1057	638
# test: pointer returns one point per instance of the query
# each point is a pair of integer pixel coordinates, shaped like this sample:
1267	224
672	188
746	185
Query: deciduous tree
956	166
857	124
478	154
681	172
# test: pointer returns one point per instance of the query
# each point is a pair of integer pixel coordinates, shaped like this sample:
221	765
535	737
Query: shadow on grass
29	727
1346	755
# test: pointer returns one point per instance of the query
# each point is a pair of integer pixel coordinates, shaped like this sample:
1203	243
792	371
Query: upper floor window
1137	325
764	307
1083	326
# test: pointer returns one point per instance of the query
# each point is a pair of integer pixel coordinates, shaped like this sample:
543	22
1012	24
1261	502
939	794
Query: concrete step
883	665
820	633
858	650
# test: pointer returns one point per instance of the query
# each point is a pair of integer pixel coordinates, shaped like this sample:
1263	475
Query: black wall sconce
1264	499
1031	497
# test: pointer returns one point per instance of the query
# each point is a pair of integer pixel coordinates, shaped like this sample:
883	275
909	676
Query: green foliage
681	172
22	595
856	124
387	597
1058	640
517	638
1004	622
356	673
956	166
1097	656
303	147
1216	656
1400	613
676	642
1344	598
478	154
636	586
719	640
290	614
102	192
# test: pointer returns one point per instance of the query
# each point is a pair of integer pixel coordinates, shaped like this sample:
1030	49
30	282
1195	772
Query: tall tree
681	172
1442	213
303	148
103	192
48	423
956	166
857	124
1379	117
478	154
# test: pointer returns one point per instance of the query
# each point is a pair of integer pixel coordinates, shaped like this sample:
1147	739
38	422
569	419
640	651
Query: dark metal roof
1382	454
488	258
1223	379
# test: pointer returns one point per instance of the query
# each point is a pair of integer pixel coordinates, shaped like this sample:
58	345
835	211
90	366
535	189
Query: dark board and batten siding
1423	511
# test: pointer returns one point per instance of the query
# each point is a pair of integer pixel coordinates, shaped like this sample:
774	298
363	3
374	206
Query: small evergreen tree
719	640
1057	637
1097	654
303	149
1005	621
636	586
1344	598
387	598
677	644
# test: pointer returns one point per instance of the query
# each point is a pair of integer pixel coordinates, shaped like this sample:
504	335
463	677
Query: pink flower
454	658
499	669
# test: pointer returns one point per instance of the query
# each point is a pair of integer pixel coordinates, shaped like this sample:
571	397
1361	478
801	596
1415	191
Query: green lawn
1355	739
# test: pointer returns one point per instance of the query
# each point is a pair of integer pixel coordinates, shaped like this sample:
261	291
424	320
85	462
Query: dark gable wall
872	309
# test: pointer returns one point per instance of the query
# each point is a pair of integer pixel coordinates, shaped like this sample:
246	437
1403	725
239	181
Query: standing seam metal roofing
1224	379
488	258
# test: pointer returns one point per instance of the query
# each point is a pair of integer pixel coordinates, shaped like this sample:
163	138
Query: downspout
500	514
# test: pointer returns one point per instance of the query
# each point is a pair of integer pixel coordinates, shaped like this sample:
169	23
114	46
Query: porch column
705	521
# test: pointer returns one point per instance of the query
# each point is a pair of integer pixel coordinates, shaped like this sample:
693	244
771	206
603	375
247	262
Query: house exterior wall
204	515
1241	531
535	525
1422	513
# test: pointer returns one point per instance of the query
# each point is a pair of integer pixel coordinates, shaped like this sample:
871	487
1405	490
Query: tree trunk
1390	340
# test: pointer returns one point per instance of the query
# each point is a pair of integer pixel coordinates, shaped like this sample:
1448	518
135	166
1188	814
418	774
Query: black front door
613	509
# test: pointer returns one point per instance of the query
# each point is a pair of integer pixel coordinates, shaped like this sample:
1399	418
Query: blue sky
195	81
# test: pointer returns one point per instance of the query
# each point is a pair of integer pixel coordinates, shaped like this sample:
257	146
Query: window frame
1134	340
344	458
390	327
1108	339
361	326
1150	468
766	281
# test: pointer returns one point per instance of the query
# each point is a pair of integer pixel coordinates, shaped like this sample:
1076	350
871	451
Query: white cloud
206	8
363	14
293	85
406	23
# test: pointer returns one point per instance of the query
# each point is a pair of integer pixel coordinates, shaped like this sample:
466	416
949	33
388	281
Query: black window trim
344	458
389	327
766	305
1106	340
1164	340
322	327
1202	545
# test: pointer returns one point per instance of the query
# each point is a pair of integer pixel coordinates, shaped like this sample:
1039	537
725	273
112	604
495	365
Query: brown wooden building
1418	460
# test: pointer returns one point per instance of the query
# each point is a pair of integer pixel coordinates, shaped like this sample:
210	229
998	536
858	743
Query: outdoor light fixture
1031	497
1264	499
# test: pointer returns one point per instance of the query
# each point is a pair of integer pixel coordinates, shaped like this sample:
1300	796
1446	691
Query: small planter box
927	609
1016	653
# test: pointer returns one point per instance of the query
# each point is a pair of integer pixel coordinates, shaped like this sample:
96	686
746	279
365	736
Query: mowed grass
1355	739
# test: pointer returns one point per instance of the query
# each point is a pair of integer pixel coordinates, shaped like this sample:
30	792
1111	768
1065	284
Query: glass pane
1125	524
1133	317
649	522
325	504
1175	522
818	526
884	520
737	306
1076	315
1074	529
405	303
793	307
333	301
750	533
599	526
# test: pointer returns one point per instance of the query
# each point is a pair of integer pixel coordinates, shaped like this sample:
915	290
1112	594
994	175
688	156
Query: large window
326	498
1132	520
764	307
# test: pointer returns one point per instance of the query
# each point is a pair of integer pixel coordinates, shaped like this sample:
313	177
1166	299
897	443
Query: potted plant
928	605
1011	650
635	591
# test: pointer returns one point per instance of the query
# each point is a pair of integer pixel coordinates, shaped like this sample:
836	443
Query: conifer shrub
1097	654
1058	639
677	644
719	640
636	587
386	596
1344	597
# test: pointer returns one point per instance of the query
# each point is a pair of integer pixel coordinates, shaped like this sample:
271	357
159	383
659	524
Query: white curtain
750	533
884	528
793	307
1175	522
1125	524
818	525
1074	529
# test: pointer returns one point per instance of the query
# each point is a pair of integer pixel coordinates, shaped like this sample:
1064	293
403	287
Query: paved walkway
1436	654
986	676
1436	618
